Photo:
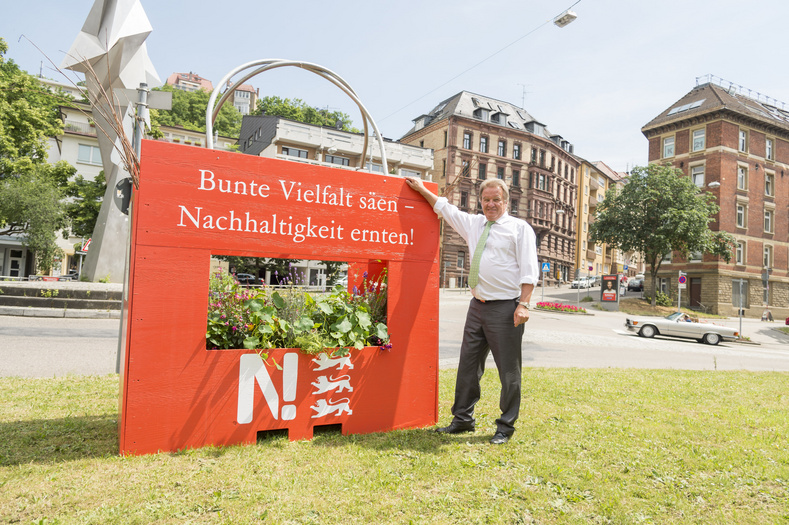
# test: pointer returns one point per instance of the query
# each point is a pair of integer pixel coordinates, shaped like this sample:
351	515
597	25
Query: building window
769	221
516	151
769	184
767	260
514	207
445	139
502	148
443	168
483	144
500	173
410	173
768	154
542	158
516	177
463	199
293	152
466	140
699	140
743	145
668	147
742	177
667	258
742	216
534	155
697	175
461	259
541	182
89	155
334	159
464	170
375	168
695	256
739	253
482	171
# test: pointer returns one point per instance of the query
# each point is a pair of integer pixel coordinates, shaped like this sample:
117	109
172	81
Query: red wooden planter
197	203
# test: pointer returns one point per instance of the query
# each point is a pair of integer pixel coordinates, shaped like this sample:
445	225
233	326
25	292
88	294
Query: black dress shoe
456	428
499	438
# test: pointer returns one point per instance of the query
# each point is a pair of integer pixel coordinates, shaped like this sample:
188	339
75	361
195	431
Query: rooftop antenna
523	96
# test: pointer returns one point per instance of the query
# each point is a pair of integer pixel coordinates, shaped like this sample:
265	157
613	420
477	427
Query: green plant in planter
264	319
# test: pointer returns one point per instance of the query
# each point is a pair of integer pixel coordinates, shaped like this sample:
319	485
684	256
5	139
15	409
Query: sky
596	82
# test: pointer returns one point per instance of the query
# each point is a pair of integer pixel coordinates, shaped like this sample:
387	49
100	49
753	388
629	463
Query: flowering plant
559	307
263	318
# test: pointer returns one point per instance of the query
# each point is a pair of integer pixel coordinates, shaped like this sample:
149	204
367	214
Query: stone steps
61	295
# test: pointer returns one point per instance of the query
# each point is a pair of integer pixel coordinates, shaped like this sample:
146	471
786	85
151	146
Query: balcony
81	128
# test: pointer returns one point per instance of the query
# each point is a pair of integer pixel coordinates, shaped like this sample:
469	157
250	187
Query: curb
73	313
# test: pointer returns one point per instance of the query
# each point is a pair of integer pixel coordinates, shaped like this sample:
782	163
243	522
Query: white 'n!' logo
252	368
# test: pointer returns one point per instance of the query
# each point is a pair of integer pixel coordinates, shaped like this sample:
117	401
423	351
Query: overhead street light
565	18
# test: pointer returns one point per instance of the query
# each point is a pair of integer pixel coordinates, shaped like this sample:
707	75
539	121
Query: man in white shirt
508	271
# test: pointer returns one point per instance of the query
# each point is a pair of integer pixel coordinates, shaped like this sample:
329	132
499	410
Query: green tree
658	211
31	206
188	111
84	204
28	117
300	111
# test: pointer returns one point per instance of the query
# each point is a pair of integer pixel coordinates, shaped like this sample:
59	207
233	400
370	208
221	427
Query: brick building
736	147
475	137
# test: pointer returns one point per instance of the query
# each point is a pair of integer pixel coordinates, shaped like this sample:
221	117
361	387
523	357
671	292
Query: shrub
661	299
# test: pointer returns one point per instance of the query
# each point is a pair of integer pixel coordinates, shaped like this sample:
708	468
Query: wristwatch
525	305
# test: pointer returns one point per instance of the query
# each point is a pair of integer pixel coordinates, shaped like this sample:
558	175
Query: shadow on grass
58	440
423	440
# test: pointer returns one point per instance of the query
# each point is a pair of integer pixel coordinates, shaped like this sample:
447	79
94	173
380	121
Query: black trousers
489	328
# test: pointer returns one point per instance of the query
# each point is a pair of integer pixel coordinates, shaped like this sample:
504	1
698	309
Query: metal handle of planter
212	112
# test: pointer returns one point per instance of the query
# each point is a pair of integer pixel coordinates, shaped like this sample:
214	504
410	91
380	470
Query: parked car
680	324
636	285
581	282
593	281
247	279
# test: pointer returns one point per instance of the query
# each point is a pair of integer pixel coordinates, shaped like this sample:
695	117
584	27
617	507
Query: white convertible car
681	325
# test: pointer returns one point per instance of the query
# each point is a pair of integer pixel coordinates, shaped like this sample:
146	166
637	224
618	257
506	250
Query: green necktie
473	274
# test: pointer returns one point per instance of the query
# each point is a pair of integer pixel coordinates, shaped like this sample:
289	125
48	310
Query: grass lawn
592	446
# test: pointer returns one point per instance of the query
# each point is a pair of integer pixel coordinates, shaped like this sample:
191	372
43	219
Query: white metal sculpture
212	111
110	50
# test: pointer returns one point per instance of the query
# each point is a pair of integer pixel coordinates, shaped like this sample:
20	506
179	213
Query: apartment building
595	179
245	98
475	137
272	136
734	143
189	82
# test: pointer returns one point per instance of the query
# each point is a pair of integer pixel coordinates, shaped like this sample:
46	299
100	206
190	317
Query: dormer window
481	114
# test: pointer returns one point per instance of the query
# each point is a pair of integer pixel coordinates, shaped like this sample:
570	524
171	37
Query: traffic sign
682	279
546	267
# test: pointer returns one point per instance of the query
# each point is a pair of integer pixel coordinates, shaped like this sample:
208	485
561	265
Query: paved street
47	347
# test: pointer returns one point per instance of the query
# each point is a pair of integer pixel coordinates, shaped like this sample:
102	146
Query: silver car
681	325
